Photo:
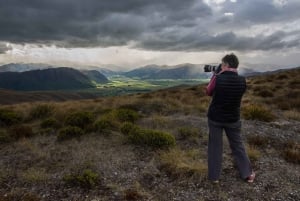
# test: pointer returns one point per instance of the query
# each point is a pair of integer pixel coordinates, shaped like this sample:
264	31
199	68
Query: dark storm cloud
223	41
91	22
188	25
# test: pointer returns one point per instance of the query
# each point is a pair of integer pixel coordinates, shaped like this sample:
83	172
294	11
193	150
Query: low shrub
103	125
80	119
69	132
9	117
4	137
20	131
257	112
151	138
84	179
126	115
50	123
41	111
127	127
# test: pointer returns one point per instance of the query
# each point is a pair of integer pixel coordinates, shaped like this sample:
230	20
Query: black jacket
227	96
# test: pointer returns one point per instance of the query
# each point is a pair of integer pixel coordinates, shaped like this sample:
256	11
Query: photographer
226	88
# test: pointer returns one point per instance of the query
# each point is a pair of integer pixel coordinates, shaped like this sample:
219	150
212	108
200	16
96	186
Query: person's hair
231	60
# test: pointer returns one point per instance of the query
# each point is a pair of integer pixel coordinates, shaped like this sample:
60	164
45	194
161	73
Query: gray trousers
215	149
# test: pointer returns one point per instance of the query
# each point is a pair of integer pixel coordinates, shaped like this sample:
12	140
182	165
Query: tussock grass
257	112
35	175
292	114
80	119
21	131
50	123
86	178
253	153
69	132
291	153
41	111
188	133
257	141
159	121
180	163
152	138
9	117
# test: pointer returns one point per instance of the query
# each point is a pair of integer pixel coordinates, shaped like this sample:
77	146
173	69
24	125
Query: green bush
257	112
50	123
103	125
69	132
127	127
4	137
152	138
85	179
41	111
9	117
126	115
20	131
80	119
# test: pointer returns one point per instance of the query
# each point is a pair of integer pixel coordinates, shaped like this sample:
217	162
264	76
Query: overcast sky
134	33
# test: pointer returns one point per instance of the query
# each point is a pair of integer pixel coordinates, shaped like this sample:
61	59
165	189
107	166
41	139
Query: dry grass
257	141
257	112
253	153
292	114
291	153
180	163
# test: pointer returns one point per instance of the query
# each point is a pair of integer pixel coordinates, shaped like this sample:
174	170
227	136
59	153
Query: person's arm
211	86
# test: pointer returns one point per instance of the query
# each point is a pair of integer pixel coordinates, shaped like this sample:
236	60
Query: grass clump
152	138
50	123
127	127
85	179
292	152
9	117
126	115
257	112
41	111
292	114
35	175
104	125
21	131
253	153
258	141
187	133
80	119
69	132
4	137
180	163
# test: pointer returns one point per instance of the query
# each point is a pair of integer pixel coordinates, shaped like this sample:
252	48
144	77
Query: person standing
226	88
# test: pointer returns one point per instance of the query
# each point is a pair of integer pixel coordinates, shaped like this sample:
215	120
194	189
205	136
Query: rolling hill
182	71
48	79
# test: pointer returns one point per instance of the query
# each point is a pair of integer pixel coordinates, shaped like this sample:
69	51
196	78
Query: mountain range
47	79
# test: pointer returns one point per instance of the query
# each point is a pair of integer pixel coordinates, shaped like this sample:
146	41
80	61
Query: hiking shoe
251	178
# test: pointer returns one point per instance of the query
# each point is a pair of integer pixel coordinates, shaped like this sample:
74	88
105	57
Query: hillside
48	79
95	76
150	146
183	71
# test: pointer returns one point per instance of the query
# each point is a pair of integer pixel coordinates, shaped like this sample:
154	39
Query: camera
212	68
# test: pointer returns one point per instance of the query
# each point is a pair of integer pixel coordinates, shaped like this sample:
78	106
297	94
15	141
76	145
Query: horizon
131	34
